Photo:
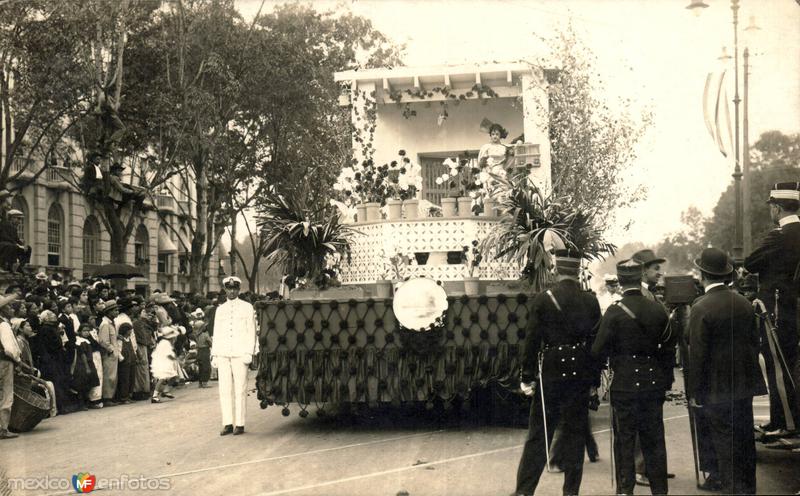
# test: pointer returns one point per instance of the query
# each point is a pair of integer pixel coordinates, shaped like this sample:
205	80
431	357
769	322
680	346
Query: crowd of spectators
96	346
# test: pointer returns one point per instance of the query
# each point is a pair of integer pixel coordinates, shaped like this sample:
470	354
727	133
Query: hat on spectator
162	299
168	332
647	257
714	261
16	323
232	282
198	314
47	316
109	305
15	213
41	276
197	325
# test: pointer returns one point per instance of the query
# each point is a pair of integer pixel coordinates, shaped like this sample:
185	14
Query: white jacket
234	330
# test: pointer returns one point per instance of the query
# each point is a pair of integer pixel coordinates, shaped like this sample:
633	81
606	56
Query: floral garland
399	179
480	90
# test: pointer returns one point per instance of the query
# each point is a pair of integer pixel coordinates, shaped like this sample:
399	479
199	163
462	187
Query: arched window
20	204
91	241
141	247
55	235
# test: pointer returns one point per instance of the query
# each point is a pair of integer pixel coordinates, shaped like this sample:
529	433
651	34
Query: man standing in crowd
777	262
723	360
634	335
9	355
561	326
651	271
232	351
108	340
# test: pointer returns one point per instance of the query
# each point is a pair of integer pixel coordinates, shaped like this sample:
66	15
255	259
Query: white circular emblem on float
418	303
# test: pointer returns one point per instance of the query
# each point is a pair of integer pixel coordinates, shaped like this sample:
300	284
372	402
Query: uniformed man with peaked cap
635	336
557	371
777	262
232	351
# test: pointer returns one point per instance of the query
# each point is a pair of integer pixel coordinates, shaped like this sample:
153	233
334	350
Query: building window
163	263
91	241
55	223
141	247
19	204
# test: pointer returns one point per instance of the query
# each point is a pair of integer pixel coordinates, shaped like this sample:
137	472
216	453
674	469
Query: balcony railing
56	174
165	202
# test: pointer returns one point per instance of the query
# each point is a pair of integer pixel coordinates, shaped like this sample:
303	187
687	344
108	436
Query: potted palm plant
532	225
307	241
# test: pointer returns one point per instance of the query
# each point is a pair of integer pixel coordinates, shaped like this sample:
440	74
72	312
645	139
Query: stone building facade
68	237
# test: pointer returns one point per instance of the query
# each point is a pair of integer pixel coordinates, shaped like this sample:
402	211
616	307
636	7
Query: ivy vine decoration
479	90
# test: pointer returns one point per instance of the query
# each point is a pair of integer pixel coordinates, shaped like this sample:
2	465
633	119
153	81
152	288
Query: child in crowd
165	364
203	340
126	369
83	370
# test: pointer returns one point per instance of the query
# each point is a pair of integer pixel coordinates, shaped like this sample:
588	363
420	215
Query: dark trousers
706	454
777	412
731	426
566	407
126	375
642	415
203	364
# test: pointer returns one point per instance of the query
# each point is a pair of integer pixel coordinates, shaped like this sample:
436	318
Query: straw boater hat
109	305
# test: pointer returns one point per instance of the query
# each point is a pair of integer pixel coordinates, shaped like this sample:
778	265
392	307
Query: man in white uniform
232	351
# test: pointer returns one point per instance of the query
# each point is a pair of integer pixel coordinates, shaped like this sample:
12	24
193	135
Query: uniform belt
562	347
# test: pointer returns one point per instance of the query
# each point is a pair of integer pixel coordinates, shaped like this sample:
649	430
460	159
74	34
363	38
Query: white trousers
96	393
232	389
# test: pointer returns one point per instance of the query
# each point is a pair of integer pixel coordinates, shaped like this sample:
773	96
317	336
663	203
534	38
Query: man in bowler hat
777	262
723	359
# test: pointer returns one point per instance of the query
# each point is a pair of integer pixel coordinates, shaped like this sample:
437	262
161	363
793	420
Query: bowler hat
647	257
714	261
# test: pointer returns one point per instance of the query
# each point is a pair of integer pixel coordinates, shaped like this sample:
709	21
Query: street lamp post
740	209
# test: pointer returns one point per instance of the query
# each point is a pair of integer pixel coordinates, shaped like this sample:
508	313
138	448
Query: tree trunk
233	242
197	266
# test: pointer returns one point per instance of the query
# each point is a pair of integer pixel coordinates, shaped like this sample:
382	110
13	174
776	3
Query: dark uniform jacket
640	350
723	348
776	261
564	335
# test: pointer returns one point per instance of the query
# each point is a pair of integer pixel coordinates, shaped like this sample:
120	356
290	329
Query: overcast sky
655	52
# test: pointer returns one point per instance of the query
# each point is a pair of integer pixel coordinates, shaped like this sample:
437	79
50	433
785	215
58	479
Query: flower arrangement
367	182
471	256
393	265
456	176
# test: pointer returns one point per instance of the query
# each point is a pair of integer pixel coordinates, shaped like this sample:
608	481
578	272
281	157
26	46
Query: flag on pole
715	99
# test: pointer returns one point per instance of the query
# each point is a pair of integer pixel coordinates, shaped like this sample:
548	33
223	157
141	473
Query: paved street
421	455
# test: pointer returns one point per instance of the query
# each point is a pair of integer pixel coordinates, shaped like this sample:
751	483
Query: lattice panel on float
381	240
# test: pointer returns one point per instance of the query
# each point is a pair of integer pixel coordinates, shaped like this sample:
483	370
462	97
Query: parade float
430	305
